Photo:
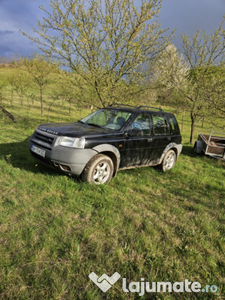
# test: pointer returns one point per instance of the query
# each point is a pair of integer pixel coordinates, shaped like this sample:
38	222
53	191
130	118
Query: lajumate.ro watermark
141	287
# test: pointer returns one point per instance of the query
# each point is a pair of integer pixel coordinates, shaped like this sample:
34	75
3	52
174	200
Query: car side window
174	125
142	122
159	125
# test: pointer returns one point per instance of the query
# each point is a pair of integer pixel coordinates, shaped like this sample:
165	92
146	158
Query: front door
138	143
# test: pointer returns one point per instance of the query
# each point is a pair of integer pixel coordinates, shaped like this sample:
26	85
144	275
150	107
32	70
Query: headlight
72	142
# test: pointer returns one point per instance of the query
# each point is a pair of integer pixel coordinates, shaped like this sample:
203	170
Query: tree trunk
182	128
1	98
192	128
11	98
41	98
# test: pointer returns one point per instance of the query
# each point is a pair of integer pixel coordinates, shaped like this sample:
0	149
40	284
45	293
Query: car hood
72	129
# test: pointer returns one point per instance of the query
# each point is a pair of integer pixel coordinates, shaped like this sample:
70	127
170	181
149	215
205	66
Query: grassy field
56	230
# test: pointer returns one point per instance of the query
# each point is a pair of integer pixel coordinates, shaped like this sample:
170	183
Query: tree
40	72
215	95
168	75
203	53
104	41
171	69
19	83
2	85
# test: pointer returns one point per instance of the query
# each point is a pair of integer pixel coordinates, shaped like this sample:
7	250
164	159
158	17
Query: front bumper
68	160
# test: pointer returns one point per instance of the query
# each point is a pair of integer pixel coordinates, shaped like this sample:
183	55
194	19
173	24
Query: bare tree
104	41
40	71
203	52
194	79
19	83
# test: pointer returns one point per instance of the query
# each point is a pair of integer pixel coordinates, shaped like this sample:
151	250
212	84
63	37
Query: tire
198	147
195	147
99	170
169	161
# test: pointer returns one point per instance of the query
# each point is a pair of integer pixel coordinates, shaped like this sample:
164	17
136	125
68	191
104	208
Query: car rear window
159	125
174	128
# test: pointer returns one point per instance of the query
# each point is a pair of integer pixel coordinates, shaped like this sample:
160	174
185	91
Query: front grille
43	139
46	139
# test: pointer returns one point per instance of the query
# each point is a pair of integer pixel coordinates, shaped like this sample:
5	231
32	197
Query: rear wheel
99	170
169	160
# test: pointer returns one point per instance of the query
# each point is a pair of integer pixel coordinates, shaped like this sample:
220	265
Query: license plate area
38	150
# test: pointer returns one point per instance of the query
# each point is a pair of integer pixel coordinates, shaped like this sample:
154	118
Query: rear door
174	129
161	134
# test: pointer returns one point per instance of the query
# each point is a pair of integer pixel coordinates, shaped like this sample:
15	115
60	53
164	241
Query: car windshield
107	118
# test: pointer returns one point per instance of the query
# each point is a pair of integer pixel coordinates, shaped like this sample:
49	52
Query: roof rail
149	107
133	106
120	104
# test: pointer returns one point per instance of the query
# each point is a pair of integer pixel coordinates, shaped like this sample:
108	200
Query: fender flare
178	148
108	150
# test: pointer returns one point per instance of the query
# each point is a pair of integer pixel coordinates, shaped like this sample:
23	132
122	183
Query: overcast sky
183	15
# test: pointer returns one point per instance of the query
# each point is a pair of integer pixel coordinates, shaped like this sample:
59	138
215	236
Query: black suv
110	139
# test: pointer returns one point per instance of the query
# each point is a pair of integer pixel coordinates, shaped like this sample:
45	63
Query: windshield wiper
92	124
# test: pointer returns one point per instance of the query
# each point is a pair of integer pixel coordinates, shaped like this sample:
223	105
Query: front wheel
169	160
99	170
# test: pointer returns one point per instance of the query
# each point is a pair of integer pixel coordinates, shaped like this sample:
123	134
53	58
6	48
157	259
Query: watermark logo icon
104	282
141	287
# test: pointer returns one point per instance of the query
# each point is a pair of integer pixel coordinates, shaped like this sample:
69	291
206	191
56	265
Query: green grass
55	230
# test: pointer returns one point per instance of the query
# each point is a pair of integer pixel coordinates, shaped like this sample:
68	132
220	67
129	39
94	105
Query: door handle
150	140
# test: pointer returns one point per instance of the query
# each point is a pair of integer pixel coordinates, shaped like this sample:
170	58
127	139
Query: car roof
132	108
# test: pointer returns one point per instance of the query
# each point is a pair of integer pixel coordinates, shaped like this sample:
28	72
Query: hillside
55	230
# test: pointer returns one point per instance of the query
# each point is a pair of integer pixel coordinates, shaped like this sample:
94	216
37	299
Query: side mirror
134	132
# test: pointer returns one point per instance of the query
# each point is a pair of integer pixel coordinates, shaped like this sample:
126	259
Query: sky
183	15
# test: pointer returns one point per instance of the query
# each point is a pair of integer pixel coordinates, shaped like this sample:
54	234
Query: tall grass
55	230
